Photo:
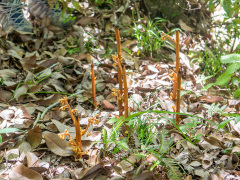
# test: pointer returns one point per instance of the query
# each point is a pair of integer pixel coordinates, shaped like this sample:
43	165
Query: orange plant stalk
93	86
178	96
175	85
119	59
125	92
76	145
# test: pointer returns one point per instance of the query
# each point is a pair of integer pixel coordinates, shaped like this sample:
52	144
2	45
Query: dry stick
93	87
178	96
119	70
125	92
177	66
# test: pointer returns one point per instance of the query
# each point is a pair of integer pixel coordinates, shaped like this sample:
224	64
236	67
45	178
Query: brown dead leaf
145	176
210	99
84	21
94	157
215	142
126	19
34	137
184	26
107	105
81	56
49	100
24	147
146	89
32	160
57	145
22	172
28	62
20	91
128	43
126	165
61	127
89	172
5	95
109	27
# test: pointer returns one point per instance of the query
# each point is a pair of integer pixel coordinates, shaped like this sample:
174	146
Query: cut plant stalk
93	86
76	144
175	85
179	77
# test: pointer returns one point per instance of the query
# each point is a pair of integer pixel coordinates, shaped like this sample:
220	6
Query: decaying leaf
22	172
34	137
57	145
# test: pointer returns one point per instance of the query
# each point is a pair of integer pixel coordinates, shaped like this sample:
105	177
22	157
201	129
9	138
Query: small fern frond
104	136
165	143
172	169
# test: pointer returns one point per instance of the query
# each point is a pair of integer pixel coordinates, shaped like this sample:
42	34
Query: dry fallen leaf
32	160
22	172
210	99
89	172
57	145
107	105
126	165
34	137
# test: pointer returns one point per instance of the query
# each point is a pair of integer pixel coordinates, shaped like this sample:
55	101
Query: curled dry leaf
57	145
34	137
32	160
22	172
89	172
20	91
126	165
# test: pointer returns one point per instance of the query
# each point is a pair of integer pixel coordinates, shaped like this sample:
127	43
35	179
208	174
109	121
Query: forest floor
40	68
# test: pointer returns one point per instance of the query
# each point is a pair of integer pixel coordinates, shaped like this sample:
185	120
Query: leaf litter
36	71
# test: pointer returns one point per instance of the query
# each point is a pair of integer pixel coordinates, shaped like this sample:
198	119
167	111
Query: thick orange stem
78	135
119	58
125	92
93	86
177	66
179	75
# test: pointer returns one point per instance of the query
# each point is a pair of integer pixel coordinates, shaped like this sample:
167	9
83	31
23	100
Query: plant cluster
76	144
122	79
149	36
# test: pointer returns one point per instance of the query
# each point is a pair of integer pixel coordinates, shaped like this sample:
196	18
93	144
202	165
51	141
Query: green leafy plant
210	63
101	2
111	141
149	36
231	19
214	109
73	50
233	62
189	128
